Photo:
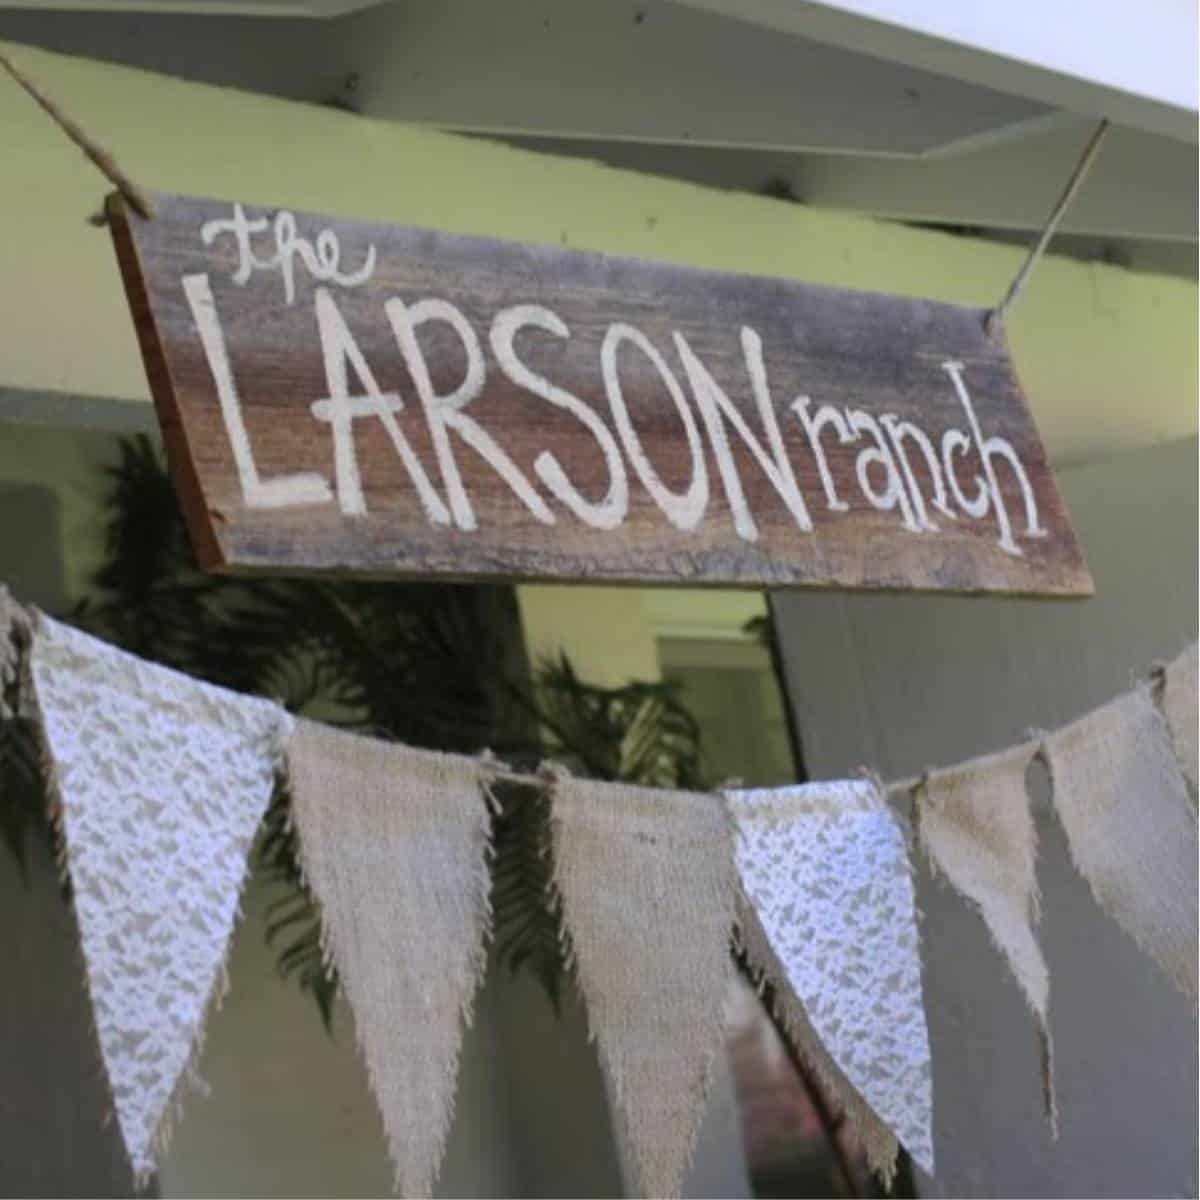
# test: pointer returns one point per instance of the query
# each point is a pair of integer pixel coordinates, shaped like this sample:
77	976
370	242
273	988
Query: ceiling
915	110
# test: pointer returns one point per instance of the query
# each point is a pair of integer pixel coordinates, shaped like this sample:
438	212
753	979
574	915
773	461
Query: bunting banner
1131	826
647	887
825	869
159	783
395	844
1178	683
976	827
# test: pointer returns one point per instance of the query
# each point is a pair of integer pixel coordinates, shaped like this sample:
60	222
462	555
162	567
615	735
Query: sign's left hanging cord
138	200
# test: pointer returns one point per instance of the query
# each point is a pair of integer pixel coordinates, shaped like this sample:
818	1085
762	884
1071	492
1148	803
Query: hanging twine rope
996	315
138	200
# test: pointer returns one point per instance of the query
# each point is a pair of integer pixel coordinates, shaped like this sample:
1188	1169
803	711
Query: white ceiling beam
631	70
1140	186
1135	63
669	89
652	72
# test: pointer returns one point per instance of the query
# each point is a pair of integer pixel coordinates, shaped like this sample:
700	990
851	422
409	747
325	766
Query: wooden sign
387	400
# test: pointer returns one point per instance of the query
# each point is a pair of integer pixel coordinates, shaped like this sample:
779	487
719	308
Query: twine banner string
900	793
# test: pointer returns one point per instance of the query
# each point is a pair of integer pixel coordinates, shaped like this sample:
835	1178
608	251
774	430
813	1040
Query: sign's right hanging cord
996	315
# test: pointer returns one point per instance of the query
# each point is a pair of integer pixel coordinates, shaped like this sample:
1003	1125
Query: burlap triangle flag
1131	826
647	887
395	843
977	829
831	922
159	783
1178	683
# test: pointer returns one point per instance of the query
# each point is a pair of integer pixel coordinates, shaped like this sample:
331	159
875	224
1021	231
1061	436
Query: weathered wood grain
868	364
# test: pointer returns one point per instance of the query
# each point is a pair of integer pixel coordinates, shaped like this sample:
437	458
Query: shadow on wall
30	545
52	1086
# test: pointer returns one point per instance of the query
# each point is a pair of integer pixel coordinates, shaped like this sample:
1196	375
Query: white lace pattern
161	782
826	868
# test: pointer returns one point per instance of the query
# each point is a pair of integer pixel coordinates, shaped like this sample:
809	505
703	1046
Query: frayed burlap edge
918	794
1156	742
553	775
486	769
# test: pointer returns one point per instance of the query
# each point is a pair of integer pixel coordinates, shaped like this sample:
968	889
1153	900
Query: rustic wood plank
387	400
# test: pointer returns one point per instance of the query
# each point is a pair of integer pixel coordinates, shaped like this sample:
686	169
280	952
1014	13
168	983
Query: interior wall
557	619
905	683
289	1111
54	472
54	1140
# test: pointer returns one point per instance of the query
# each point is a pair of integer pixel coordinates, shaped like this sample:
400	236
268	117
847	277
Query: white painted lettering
825	415
997	447
284	491
340	409
954	441
322	260
445	412
900	432
603	514
716	408
894	494
684	510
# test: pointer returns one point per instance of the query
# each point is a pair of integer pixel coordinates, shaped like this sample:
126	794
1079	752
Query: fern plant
429	664
433	665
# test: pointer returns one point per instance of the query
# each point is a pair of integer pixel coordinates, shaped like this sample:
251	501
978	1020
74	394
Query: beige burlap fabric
976	827
648	891
1179	706
1131	826
394	842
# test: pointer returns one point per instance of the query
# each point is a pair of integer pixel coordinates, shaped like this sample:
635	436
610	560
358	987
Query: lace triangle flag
825	870
977	829
647	887
1178	683
159	782
1131	826
877	1140
395	844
